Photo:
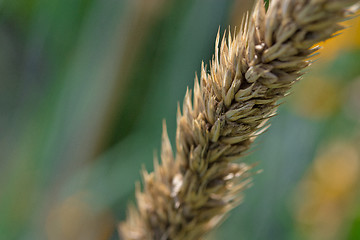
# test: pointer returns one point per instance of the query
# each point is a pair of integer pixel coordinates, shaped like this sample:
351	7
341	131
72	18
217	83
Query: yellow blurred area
338	169
347	39
327	192
75	219
317	97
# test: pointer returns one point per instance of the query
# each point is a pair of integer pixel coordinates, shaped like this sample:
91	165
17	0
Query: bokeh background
85	85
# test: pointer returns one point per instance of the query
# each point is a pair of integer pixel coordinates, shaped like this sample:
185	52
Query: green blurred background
85	85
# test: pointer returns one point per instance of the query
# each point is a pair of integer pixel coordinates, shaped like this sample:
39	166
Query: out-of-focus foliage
327	194
85	85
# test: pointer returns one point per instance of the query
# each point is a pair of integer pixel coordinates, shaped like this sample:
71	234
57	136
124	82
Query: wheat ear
189	194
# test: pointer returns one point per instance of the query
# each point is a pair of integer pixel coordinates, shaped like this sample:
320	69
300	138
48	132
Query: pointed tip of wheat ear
190	193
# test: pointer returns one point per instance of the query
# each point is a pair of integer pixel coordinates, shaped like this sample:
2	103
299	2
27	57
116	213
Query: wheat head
190	193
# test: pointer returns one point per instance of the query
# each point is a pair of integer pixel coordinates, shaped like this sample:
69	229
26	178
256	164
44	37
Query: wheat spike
190	193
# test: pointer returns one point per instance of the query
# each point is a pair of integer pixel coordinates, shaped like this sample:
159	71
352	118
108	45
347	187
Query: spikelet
190	193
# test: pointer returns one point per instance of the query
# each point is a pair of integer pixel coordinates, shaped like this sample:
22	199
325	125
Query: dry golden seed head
214	154
191	192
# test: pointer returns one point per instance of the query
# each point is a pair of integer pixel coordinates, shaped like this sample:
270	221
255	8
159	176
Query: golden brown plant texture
190	193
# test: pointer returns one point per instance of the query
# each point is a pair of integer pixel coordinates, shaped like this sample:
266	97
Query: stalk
190	193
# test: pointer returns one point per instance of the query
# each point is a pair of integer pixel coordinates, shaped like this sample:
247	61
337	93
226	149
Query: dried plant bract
190	193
